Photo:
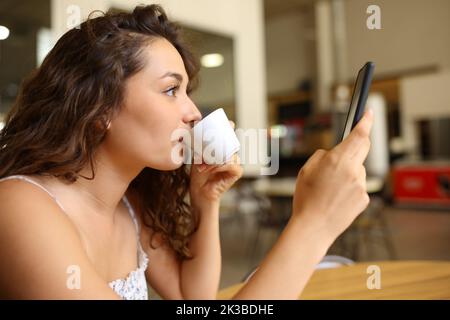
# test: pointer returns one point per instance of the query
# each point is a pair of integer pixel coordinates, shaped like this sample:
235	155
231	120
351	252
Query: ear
102	124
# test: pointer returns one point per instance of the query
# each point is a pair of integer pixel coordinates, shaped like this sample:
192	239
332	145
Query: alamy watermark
373	22
73	16
73	281
257	147
374	280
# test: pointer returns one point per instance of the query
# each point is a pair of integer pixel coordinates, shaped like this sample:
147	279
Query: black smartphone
359	98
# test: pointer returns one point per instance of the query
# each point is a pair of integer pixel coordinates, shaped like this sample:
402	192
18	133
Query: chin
171	160
168	165
173	167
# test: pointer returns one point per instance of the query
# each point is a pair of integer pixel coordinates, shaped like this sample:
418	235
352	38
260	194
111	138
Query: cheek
144	132
149	116
150	134
158	127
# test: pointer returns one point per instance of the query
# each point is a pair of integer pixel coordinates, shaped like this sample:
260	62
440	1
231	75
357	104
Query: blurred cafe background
289	66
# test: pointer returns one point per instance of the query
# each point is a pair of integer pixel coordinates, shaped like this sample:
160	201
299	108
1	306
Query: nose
192	113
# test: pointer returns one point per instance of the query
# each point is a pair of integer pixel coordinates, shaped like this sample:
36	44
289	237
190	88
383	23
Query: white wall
415	33
289	51
242	20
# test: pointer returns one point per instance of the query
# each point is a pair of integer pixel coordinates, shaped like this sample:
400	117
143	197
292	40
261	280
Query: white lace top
134	286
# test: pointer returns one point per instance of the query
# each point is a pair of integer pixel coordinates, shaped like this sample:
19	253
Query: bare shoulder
21	192
41	253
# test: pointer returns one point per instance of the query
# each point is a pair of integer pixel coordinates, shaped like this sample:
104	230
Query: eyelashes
172	91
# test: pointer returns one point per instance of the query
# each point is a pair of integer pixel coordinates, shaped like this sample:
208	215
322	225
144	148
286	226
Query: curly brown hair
61	114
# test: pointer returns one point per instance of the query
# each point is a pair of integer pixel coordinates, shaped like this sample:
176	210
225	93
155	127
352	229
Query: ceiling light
4	32
212	60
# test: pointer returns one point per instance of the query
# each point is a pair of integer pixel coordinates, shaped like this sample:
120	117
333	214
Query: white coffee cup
213	140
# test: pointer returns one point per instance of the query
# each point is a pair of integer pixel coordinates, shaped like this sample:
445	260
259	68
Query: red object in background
424	183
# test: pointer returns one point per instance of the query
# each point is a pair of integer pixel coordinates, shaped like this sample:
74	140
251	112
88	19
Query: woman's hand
331	186
209	182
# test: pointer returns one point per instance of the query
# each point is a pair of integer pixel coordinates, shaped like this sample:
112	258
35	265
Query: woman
92	206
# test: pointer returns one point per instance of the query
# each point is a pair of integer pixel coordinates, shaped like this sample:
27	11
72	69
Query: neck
111	181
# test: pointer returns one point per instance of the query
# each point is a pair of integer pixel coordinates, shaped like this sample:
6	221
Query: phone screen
359	98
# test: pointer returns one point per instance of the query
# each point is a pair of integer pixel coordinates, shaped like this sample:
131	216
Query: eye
172	91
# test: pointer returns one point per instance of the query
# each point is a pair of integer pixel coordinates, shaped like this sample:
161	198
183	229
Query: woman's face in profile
155	105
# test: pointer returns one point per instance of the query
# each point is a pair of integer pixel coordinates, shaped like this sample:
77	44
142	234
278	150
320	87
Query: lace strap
132	213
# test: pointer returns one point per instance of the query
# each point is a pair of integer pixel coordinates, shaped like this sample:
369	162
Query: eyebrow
175	75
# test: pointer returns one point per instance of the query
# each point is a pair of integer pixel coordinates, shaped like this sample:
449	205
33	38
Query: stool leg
387	236
254	245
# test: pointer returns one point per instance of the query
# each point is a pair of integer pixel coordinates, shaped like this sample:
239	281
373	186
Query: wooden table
399	280
285	187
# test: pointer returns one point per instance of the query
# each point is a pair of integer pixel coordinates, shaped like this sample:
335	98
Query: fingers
361	154
231	165
233	161
232	124
312	162
363	174
361	177
357	143
316	157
